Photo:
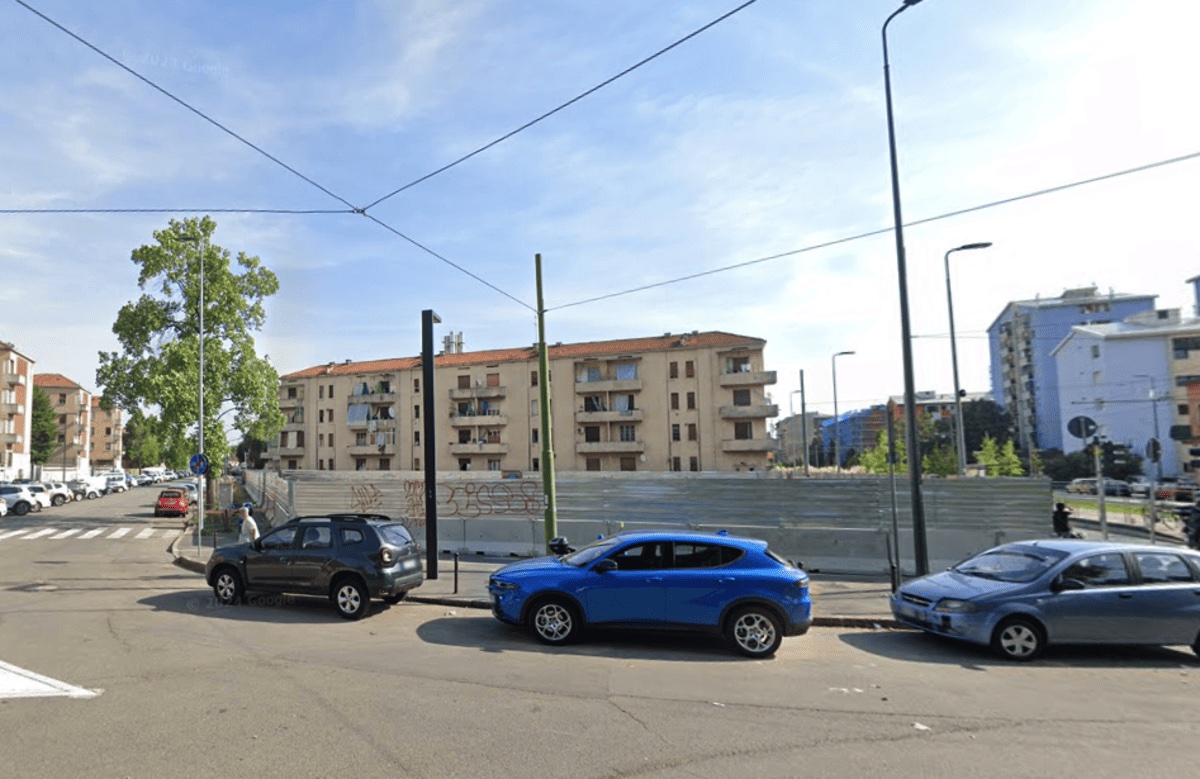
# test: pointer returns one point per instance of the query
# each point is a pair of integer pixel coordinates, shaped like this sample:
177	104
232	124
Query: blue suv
659	580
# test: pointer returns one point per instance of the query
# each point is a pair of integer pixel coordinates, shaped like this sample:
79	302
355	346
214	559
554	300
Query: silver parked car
1019	597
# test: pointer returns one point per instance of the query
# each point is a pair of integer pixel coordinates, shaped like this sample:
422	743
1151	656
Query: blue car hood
949	584
534	565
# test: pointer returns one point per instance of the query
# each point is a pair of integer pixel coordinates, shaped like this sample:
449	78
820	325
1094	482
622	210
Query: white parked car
59	492
40	494
19	499
116	484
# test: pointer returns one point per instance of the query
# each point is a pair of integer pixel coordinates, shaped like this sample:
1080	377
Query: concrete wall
839	525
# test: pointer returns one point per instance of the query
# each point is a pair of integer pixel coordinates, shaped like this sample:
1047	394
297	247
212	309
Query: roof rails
344	517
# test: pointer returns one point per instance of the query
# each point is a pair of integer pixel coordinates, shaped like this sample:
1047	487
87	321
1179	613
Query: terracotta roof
53	380
659	343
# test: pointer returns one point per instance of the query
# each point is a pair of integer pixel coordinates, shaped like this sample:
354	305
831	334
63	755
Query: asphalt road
282	687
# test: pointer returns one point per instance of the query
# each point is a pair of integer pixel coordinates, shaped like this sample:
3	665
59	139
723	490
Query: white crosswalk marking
65	534
122	531
12	533
145	533
93	533
38	534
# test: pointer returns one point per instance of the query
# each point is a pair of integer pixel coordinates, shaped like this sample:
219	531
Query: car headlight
952	606
500	584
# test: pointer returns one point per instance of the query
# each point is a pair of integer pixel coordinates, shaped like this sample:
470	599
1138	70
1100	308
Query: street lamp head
842	354
911	2
982	245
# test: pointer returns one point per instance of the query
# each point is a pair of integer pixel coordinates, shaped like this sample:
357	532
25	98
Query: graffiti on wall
365	498
471	500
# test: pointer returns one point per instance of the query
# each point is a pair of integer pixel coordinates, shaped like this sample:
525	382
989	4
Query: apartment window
299	438
416	385
627	433
283	440
293	465
360	439
416	412
629	463
385	463
626	371
62	419
328	415
593	464
692	431
464	436
535	464
691	401
1095	351
108	447
1182	409
360	463
737	364
331	398
741	397
591	434
107	431
693	463
321	392
674	370
533	408
330	460
675	436
416	438
331	446
62	439
464	381
743	431
493	465
689	369
533	435
674	401
320	415
291	395
320	465
676	465
493	379
594	403
464	463
533	378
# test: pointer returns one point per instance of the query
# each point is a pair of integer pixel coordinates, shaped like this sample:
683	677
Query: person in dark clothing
1060	518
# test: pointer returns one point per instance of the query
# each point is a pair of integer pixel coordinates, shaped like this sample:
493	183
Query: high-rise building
107	437
1023	372
16	413
73	411
688	402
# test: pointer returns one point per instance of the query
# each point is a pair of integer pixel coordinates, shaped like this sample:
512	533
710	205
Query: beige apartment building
16	413
107	437
675	402
73	411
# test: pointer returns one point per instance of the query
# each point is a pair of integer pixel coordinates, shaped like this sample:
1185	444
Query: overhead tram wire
175	211
565	105
183	103
885	230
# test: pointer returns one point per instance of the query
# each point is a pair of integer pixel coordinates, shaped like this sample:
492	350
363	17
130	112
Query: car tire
754	631
227	586
57	500
1196	645
21	509
350	597
1018	638
554	621
392	600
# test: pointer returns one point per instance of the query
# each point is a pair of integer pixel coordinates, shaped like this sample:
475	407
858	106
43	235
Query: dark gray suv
351	558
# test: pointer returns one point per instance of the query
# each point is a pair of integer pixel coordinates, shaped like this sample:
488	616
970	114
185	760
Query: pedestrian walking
1061	520
247	527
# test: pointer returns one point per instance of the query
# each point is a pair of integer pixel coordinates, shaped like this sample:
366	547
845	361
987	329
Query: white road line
39	533
19	683
145	533
13	533
93	533
121	531
65	534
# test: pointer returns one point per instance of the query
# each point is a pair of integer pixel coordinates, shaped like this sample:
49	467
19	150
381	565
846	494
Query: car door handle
726	580
655	579
1125	595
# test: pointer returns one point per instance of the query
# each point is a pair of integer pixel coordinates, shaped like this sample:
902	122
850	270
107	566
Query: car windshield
1012	564
396	535
589	553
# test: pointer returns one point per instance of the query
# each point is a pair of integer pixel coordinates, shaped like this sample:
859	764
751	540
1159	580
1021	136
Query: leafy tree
1008	463
142	445
942	461
43	438
981	418
874	460
251	452
989	456
1060	467
158	365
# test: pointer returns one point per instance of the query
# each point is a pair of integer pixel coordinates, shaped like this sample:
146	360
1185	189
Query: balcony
608	385
749	412
478	420
472	393
14	379
290	451
610	447
372	397
368	449
292	402
12	438
747	378
12	408
474	448
372	424
632	415
748	445
297	425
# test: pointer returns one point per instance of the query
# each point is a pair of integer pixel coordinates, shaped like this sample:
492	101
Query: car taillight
385	555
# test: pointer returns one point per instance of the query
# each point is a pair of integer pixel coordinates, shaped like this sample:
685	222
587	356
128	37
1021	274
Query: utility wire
567	104
173	211
186	105
446	260
883	230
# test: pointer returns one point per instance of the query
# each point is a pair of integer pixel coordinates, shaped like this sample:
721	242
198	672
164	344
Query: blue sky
762	135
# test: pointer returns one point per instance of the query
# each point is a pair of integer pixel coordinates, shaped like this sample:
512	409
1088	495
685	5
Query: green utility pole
551	516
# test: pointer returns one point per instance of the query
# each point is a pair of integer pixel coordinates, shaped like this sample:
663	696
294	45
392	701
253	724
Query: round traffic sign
198	464
1082	427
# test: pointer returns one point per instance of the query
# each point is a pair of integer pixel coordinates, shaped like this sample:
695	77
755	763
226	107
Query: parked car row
25	496
1170	488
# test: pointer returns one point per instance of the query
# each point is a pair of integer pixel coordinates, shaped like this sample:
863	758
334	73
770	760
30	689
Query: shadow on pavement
490	635
272	608
918	647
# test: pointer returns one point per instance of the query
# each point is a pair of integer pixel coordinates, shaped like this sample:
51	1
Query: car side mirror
1061	585
256	544
605	565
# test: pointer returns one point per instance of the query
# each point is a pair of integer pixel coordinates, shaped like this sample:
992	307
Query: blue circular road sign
198	464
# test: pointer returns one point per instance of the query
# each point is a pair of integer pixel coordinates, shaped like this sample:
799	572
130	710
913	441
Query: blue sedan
1019	597
659	580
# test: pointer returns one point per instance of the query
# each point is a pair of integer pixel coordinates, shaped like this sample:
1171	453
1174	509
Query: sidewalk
838	601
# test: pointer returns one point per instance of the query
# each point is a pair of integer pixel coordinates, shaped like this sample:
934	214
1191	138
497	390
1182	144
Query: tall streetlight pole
910	407
1157	441
202	245
804	424
837	421
960	432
